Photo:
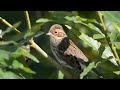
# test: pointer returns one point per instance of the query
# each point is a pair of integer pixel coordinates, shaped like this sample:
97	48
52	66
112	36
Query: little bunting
65	51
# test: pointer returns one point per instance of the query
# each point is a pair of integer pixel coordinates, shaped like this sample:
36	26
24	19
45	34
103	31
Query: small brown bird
64	50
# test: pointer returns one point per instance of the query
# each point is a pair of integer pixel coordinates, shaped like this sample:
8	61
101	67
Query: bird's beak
48	33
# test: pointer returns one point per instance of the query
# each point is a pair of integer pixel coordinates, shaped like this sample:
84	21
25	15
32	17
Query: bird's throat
55	42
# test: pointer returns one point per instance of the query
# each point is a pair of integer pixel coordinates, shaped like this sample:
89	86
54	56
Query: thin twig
28	23
51	60
9	25
44	54
111	45
27	19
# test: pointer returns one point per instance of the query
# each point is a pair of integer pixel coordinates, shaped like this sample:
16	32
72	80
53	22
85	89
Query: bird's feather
71	54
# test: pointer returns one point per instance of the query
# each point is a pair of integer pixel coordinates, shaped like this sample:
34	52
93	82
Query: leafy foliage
19	61
90	41
13	55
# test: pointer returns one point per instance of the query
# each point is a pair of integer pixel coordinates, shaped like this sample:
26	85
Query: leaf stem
111	45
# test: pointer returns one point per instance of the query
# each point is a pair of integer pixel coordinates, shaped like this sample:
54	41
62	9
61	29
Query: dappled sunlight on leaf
107	53
60	75
8	75
88	69
98	36
90	41
22	51
43	20
18	60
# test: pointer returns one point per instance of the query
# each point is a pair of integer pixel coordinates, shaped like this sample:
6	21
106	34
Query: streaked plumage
64	50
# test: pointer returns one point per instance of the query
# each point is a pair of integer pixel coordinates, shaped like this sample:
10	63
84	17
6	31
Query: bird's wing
75	51
71	54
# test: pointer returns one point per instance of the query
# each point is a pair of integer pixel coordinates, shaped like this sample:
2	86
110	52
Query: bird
65	51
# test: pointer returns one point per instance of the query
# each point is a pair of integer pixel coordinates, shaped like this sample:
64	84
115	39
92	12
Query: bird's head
57	32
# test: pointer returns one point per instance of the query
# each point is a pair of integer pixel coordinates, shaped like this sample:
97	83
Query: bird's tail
93	74
99	75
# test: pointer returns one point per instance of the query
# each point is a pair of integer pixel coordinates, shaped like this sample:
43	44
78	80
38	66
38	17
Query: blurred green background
43	69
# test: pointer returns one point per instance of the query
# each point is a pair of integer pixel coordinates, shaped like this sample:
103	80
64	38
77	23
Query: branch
27	19
9	25
111	45
44	54
51	60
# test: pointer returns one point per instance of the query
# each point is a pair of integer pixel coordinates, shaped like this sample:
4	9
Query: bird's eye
55	31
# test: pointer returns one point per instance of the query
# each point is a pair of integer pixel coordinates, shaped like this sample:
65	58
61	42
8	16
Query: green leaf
69	27
117	27
58	17
8	75
88	69
3	62
34	32
107	54
31	57
113	16
1	35
60	14
114	32
117	44
90	41
16	64
43	20
30	35
91	20
75	18
60	75
23	51
107	68
4	54
28	70
78	19
98	36
17	24
8	42
9	29
93	27
96	45
117	72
